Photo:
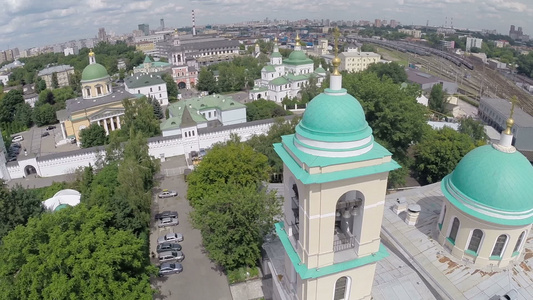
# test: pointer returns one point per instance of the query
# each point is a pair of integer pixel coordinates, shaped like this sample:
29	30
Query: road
200	279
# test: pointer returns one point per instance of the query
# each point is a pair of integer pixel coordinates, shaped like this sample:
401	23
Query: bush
242	274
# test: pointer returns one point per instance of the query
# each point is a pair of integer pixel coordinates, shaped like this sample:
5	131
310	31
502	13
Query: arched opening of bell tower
348	221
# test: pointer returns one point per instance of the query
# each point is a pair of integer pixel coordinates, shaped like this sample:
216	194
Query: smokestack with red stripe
193	24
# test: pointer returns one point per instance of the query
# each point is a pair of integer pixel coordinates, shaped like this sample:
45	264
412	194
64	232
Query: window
150	90
138	91
209	114
500	244
475	240
99	90
340	288
454	230
159	87
519	242
215	112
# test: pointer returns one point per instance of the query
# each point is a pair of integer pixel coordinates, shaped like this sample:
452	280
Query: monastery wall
158	147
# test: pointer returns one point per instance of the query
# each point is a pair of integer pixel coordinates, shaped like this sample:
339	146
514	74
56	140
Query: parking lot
200	278
37	142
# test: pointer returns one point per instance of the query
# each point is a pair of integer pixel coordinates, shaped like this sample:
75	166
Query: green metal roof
293	77
320	70
269	68
93	72
492	185
147	59
195	105
345	118
142	80
279	81
287	143
61	206
276	54
298	57
306	273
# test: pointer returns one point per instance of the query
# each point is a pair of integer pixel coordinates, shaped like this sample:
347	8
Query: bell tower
335	180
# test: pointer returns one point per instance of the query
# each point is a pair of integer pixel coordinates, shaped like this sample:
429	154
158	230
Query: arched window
475	240
442	217
499	246
341	289
454	230
519	242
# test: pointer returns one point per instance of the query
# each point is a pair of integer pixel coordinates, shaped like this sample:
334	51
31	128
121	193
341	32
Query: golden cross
336	34
514	99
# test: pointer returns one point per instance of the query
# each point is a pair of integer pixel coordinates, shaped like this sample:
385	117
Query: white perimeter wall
235	116
157	147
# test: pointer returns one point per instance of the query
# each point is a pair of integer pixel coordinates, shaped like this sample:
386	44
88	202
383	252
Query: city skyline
27	23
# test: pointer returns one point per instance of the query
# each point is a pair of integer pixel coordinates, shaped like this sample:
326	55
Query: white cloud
25	23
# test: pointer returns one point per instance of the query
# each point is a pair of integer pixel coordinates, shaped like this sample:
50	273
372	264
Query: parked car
17	138
167	194
46	133
12	158
170	268
170	238
71	140
167	222
171	256
166	214
202	152
16	145
168	247
51	127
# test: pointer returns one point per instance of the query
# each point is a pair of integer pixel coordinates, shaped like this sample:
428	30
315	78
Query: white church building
285	77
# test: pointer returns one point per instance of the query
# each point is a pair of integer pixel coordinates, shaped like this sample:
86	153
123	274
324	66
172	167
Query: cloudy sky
30	23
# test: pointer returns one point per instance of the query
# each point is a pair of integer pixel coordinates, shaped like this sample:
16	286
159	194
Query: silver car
171	237
170	268
167	194
171	256
167	222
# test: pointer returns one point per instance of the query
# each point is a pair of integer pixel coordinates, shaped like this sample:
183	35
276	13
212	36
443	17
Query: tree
46	96
9	104
264	109
264	144
439	152
206	81
474	129
392	112
94	135
16	207
437	99
392	70
55	83
368	48
44	114
40	85
234	221
230	163
78	257
158	111
172	87
139	116
23	114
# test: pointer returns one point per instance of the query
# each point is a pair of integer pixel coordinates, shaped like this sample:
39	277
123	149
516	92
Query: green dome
93	72
492	185
298	57
345	118
61	206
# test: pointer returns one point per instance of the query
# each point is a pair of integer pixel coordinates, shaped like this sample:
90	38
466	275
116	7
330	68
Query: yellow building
357	61
98	104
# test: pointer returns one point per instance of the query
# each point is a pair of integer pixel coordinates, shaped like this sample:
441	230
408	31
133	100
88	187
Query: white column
105	127
112	124
118	122
63	129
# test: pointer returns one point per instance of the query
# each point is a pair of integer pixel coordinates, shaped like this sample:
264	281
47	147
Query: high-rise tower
335	180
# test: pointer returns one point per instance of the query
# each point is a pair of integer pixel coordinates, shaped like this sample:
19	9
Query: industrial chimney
193	24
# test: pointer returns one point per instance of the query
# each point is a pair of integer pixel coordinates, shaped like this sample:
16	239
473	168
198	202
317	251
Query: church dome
492	185
93	72
345	132
298	57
